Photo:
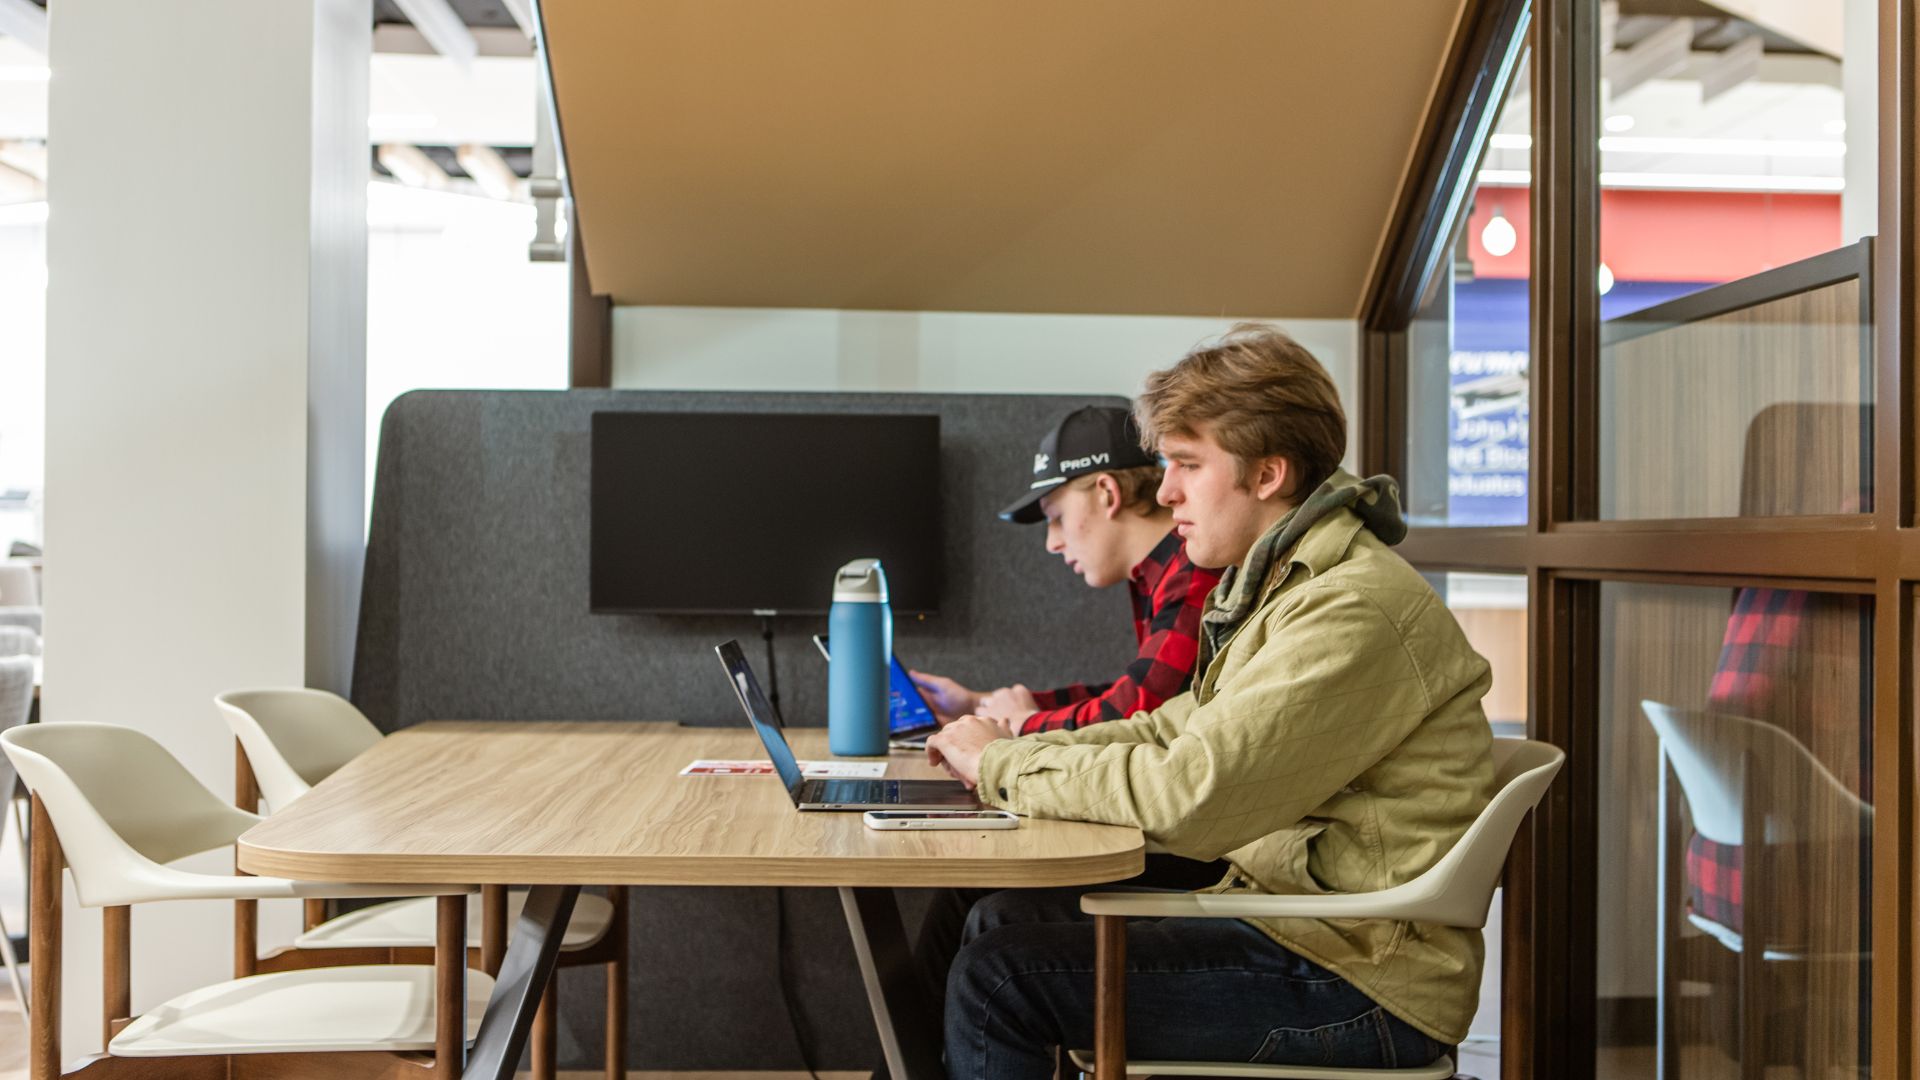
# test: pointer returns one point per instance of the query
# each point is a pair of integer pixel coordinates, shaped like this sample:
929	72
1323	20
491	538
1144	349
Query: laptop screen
760	714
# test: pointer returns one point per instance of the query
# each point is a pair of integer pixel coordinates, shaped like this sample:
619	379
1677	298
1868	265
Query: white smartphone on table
889	820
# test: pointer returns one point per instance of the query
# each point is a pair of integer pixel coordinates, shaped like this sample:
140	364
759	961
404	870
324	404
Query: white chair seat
1439	1070
322	1010
1731	938
409	924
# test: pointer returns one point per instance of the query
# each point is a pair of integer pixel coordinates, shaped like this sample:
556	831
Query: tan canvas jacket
1334	743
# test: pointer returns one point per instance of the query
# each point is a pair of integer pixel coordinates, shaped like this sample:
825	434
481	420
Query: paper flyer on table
826	770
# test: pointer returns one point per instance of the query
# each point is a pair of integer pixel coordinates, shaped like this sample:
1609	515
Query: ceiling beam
405	40
1818	26
522	12
18	186
27	157
488	169
25	22
1660	53
411	166
443	28
1734	65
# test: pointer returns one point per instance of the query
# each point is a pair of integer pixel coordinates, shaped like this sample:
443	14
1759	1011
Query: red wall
1677	235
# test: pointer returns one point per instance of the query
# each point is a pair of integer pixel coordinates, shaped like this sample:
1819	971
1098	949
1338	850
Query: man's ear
1273	477
1110	502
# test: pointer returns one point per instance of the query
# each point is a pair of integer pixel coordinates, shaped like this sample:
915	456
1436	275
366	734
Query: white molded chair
1731	768
116	808
1456	891
292	738
1751	785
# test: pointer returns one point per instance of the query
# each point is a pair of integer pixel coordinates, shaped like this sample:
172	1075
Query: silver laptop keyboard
857	791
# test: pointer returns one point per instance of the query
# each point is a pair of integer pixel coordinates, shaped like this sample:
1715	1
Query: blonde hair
1256	392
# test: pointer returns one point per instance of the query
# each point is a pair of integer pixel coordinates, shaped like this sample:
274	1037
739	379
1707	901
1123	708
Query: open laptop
818	794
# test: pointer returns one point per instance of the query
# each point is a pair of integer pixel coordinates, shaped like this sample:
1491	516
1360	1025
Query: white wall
784	349
183	523
453	303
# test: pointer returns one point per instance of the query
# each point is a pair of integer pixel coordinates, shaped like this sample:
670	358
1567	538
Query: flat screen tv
718	513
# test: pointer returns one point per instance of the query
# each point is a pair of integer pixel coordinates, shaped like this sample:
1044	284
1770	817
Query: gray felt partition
475	607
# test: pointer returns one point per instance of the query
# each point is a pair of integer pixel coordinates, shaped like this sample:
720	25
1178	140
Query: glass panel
1735	761
1735	141
1492	609
23	399
1757	412
1467	348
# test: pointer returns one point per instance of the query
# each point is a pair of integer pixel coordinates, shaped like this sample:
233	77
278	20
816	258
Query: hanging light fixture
1499	236
1604	279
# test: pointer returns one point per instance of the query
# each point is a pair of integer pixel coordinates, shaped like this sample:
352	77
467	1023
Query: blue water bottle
860	625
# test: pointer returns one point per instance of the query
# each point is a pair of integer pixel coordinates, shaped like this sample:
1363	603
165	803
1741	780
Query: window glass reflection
1735	833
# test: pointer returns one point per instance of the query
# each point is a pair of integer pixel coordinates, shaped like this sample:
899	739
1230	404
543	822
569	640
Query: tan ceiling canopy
1198	157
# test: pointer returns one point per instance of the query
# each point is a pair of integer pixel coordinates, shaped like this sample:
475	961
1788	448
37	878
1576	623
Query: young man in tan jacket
1333	741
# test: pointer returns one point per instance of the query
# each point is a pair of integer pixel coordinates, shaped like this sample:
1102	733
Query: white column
206	313
1860	85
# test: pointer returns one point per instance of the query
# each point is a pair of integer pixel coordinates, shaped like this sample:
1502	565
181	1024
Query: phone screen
929	815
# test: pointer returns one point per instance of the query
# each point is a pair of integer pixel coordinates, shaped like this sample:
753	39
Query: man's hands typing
957	746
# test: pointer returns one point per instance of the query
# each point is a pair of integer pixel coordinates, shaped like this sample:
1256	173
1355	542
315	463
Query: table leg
910	1036
531	951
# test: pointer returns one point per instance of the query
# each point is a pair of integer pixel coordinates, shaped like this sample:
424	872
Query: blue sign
1487	418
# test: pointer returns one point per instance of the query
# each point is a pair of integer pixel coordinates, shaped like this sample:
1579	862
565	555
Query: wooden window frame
1548	1018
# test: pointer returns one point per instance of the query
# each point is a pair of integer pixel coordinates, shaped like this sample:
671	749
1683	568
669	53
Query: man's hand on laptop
948	699
1010	703
957	747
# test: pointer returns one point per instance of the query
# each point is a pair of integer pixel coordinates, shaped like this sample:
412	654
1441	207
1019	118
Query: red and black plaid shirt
1169	592
1762	632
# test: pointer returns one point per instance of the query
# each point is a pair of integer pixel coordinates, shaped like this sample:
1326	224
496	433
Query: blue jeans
1197	990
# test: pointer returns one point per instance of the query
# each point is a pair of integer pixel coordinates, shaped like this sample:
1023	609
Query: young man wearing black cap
1094	487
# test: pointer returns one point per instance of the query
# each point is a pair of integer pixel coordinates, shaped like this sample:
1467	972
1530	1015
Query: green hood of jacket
1376	501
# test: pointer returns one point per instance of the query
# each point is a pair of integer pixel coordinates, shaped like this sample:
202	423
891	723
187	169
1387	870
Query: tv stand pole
773	672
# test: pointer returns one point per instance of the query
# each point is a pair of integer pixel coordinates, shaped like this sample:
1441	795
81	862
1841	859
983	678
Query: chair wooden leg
116	972
246	937
313	912
43	1050
246	913
1109	997
493	927
616	1053
450	988
545	1040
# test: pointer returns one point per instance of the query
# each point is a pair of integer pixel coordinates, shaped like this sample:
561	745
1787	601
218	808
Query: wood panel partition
1746	400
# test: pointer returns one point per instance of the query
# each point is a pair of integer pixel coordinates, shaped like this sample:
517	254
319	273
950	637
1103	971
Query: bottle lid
861	581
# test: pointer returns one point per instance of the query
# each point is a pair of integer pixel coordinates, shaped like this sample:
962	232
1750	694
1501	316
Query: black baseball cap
1098	438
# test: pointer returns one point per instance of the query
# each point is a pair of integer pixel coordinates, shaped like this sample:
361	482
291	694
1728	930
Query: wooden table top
533	803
